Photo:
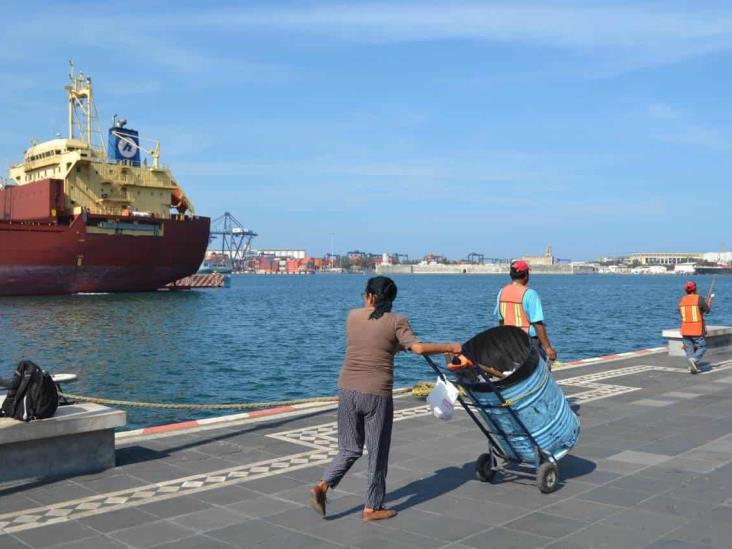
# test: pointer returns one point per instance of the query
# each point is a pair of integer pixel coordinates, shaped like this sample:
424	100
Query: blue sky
601	128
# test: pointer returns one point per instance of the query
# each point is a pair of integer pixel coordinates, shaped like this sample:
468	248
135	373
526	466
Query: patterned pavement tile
125	495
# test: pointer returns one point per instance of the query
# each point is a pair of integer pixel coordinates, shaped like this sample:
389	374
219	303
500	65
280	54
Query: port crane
476	258
236	241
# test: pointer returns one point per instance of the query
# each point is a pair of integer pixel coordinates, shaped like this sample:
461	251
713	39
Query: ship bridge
116	184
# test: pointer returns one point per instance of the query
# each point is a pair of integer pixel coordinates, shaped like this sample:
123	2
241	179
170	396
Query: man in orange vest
692	309
518	305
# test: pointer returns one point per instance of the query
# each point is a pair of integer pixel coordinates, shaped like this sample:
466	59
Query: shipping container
40	200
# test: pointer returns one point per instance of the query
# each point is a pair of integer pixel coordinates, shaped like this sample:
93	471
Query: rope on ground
422	388
189	406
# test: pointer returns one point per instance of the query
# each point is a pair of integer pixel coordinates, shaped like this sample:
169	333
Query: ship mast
81	105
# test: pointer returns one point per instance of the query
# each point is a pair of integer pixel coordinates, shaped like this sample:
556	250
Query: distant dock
483	269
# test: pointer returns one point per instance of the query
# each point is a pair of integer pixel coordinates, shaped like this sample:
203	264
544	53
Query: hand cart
525	416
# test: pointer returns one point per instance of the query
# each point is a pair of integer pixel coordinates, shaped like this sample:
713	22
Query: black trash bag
506	349
32	394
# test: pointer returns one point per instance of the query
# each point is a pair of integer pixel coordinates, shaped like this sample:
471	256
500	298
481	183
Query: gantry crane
236	241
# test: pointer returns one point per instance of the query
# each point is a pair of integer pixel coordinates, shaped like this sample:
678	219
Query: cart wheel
484	470
547	477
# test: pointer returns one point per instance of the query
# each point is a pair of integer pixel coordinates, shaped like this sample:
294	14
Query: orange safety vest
692	319
510	305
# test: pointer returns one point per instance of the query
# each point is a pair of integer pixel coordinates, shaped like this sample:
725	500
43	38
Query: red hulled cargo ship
75	217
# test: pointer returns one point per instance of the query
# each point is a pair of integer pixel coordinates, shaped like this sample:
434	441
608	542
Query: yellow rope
184	406
422	388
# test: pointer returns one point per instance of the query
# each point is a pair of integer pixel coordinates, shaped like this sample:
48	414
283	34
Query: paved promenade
653	468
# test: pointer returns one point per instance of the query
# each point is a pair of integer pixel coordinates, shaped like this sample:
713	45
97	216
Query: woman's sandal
318	499
378	514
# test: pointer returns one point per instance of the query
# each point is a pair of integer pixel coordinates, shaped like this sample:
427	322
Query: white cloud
654	34
698	136
146	42
678	127
608	39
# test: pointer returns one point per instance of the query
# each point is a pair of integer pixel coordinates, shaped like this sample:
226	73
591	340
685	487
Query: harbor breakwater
481	268
277	338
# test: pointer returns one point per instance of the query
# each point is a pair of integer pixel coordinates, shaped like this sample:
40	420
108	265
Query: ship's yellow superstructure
92	181
90	213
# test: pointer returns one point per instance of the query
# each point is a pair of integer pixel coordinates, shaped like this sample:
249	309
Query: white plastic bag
442	399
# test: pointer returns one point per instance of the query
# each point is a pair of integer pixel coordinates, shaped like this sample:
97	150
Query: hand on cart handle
459	362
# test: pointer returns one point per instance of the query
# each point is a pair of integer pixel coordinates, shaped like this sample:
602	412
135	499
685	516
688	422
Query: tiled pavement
653	468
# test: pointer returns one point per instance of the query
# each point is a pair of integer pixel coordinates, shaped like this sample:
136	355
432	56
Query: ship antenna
156	155
70	90
81	98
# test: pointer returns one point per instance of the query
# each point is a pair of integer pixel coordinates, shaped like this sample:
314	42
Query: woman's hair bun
384	291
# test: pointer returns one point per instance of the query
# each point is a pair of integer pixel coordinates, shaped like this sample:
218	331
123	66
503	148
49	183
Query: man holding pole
692	309
518	305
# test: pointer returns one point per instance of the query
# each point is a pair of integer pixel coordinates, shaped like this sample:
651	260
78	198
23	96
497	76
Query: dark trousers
363	418
694	347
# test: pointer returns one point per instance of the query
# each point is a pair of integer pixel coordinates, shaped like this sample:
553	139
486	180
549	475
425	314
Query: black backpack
32	394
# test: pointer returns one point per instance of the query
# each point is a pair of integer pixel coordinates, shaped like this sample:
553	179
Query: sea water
282	337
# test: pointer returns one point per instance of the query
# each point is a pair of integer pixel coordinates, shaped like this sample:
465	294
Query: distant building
718	257
546	259
363	259
285	252
434	259
685	268
393	258
612	259
665	258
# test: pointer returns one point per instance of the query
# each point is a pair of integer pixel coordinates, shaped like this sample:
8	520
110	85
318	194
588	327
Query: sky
599	128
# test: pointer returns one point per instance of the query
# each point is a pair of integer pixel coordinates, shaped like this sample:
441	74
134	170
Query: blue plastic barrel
540	404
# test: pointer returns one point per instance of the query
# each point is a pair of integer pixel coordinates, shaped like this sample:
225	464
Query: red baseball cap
690	286
520	266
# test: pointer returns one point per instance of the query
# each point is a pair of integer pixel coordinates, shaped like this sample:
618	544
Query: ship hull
713	270
52	258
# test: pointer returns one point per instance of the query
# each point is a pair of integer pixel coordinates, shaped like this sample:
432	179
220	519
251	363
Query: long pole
710	293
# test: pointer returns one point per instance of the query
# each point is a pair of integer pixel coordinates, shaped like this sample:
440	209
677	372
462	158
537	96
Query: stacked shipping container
39	201
268	264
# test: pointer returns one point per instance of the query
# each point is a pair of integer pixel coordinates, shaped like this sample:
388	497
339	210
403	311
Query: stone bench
78	439
719	338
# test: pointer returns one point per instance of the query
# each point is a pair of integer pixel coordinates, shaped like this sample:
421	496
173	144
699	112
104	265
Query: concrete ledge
719	338
78	439
58	456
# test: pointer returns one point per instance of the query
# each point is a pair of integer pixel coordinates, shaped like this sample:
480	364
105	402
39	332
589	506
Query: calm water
272	338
